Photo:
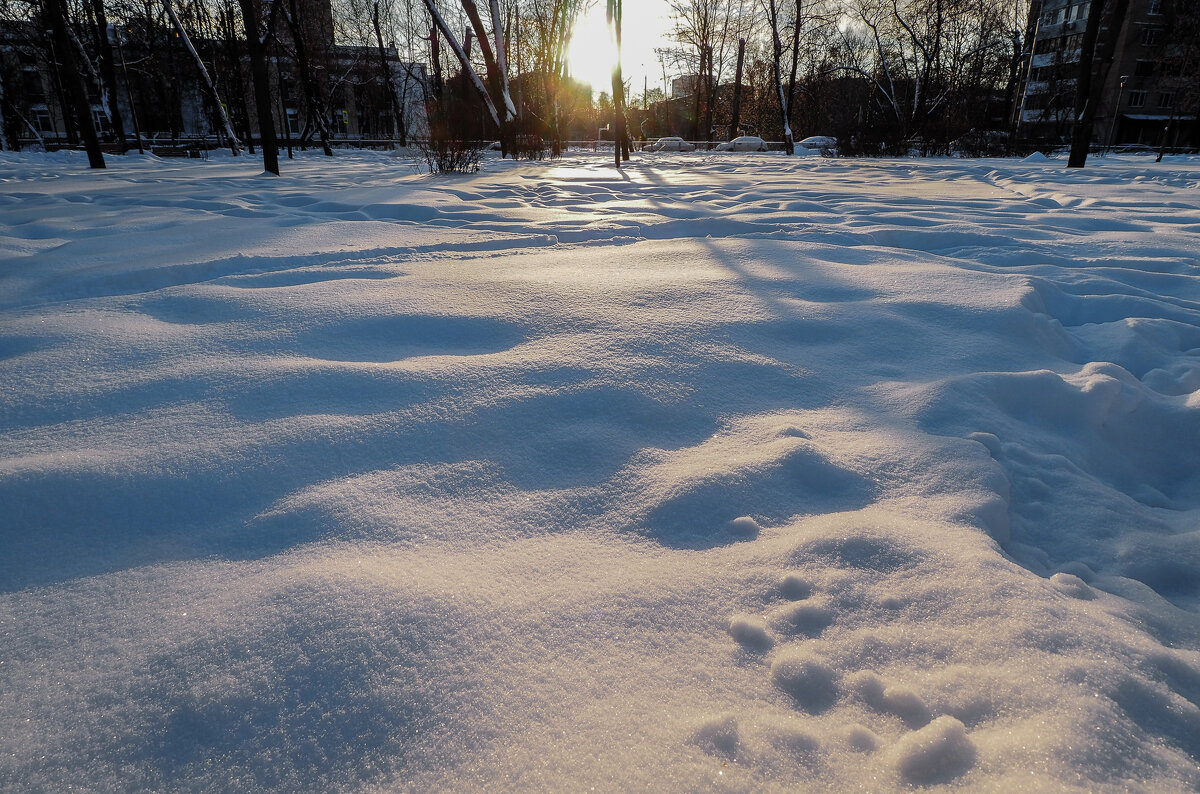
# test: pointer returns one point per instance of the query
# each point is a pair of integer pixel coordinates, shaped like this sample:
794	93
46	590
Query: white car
671	145
818	142
746	143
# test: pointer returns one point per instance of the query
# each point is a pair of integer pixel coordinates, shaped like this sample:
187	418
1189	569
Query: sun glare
592	53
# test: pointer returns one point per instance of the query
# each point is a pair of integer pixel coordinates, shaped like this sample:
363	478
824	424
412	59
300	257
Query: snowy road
719	473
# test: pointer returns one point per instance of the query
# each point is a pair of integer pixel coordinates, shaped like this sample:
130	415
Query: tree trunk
502	59
504	110
312	99
108	74
60	92
262	86
777	74
4	145
397	107
137	129
435	59
620	135
464	61
735	122
1092	74
3	134
72	80
169	7
791	89
490	63
284	126
233	65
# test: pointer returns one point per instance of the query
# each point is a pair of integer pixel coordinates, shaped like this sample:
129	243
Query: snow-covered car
745	143
821	143
671	144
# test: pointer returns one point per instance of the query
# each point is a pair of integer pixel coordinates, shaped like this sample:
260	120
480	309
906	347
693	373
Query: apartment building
1148	87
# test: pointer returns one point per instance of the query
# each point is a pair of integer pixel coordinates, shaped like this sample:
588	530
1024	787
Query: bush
448	149
528	142
449	155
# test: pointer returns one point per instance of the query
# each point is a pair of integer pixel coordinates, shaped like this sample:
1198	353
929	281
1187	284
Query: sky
645	24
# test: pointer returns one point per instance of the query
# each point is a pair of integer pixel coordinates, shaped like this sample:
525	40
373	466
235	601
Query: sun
592	53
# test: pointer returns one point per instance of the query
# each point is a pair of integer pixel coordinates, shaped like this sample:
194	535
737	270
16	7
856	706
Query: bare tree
208	82
613	13
777	51
706	32
1182	64
72	80
1092	71
256	49
464	61
107	73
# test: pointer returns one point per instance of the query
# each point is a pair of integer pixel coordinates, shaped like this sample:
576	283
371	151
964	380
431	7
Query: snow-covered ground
718	473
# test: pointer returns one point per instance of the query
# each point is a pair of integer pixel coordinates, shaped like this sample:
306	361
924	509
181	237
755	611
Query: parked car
746	143
821	143
671	144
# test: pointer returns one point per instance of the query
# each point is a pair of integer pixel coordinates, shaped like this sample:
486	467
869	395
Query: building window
1155	7
42	121
100	120
293	121
1143	69
1137	99
1151	36
1166	99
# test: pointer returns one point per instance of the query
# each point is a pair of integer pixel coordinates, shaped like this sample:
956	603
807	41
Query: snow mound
556	477
937	753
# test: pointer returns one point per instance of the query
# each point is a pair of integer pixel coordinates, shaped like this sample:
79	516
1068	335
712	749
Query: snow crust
716	473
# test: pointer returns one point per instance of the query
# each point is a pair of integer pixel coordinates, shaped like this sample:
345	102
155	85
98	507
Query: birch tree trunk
777	74
234	145
502	58
468	69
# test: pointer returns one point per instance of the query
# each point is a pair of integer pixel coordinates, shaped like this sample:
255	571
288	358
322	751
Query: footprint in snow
931	750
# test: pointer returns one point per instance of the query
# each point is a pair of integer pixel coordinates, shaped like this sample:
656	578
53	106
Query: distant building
685	85
1143	89
158	88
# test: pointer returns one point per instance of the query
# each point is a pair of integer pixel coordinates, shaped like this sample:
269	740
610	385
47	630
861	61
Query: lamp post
1112	125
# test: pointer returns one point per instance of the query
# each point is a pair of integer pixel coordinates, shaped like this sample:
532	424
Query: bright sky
644	25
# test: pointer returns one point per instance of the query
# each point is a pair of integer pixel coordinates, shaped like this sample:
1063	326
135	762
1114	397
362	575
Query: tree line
884	76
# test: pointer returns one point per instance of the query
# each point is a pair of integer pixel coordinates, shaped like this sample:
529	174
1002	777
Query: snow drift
714	473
